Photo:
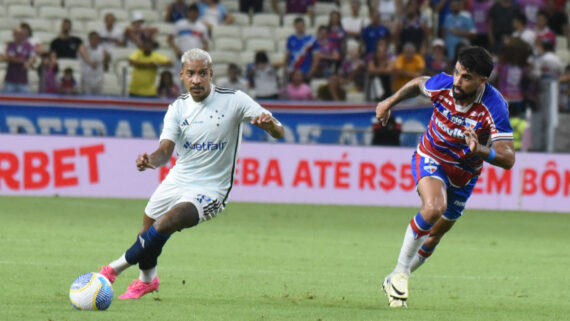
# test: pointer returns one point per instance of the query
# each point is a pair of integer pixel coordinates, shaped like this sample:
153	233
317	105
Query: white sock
120	264
409	250
147	275
417	261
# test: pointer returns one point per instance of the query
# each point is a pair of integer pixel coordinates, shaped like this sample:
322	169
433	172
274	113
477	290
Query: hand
263	121
471	139
383	112
143	162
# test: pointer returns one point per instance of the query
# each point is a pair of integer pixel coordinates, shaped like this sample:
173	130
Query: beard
462	95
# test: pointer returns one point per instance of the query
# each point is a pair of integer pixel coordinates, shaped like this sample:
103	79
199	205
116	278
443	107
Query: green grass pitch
284	262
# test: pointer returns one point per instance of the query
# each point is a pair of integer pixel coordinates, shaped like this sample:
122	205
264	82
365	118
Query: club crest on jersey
470	123
430	169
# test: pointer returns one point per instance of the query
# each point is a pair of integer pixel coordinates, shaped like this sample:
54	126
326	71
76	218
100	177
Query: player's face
197	76
465	83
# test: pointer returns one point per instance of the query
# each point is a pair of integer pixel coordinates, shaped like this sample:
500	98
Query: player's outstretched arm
158	158
268	123
501	153
411	89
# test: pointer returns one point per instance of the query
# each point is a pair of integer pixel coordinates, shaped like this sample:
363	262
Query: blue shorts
456	196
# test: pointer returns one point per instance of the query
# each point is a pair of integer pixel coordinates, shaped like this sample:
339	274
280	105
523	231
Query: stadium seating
223	57
21	11
111	85
137	4
120	14
561	43
231	5
106	4
231	44
19	2
53	13
44	36
289	18
71	63
241	19
220	70
283	33
47	3
321	20
260	44
236	43
7	35
226	31
277	57
164	28
256	32
78	4
80	13
246	57
118	54
322	8
266	19
150	15
42	25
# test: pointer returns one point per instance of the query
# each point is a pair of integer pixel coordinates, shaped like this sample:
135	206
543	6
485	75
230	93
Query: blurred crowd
368	53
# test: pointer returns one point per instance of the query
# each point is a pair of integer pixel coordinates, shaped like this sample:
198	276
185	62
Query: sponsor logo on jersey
206	146
459	203
455	132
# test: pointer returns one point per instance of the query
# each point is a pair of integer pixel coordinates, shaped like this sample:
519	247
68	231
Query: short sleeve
437	83
170	129
500	127
248	107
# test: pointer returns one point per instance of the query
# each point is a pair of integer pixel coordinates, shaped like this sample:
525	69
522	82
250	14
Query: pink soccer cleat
138	288
108	272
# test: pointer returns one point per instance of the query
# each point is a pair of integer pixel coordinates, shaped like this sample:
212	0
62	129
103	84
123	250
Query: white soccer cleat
396	289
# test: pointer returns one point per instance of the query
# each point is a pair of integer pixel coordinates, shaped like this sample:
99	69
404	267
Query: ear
181	72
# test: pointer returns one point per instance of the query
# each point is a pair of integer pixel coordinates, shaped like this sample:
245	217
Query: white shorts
169	194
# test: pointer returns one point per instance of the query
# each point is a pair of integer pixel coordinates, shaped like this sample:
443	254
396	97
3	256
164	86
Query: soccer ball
91	291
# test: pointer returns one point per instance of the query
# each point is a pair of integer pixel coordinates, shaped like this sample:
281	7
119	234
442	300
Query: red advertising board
265	172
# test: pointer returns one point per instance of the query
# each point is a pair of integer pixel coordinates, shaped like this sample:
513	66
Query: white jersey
207	135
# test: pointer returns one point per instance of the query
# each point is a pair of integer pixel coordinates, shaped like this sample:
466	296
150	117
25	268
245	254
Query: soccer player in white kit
205	126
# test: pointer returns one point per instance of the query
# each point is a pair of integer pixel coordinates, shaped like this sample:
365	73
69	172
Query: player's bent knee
433	211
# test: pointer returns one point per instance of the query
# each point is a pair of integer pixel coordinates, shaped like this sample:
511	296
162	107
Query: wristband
491	155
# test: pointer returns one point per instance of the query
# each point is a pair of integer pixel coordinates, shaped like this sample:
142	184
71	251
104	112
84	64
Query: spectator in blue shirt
458	27
372	33
300	49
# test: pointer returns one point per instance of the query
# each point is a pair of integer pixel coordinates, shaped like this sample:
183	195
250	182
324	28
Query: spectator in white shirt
189	33
111	35
354	23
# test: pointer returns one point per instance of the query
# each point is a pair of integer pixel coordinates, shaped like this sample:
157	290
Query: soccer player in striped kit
205	125
469	126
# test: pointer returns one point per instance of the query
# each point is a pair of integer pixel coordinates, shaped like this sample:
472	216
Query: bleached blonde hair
196	54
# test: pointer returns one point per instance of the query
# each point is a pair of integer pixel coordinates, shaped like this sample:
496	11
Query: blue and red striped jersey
444	140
